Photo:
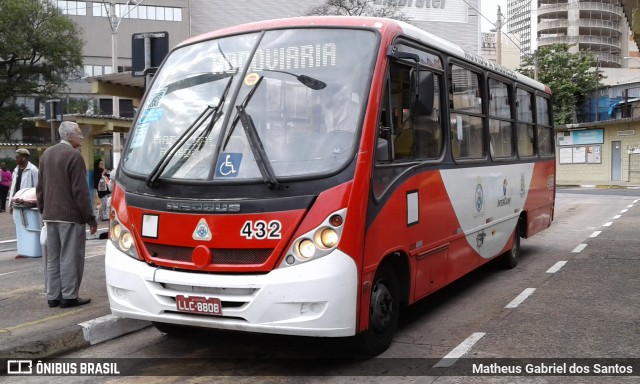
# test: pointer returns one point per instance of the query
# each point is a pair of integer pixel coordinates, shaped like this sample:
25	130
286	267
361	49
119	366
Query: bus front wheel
384	309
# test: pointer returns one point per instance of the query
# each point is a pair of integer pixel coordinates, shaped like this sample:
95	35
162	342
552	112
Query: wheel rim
381	307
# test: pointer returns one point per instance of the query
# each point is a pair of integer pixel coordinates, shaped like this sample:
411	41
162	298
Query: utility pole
499	37
115	23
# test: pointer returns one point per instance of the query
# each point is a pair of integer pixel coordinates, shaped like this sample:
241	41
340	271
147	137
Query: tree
40	50
12	115
570	76
358	8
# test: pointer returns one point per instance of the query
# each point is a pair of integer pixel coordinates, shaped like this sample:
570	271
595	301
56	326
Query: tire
384	311
172	329
510	259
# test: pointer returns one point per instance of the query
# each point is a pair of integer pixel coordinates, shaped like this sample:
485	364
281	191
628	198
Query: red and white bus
309	176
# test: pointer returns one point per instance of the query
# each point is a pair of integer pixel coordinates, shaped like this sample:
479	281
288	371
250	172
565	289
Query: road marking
15	327
556	267
520	298
579	248
595	234
7	273
607	224
624	211
617	217
630	206
459	351
635	201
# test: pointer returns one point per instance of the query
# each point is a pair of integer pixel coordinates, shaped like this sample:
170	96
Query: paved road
586	308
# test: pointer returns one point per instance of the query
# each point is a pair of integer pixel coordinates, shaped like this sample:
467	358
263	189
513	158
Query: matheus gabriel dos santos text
553	369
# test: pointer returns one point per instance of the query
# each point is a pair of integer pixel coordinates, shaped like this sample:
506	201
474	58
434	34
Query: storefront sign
587	136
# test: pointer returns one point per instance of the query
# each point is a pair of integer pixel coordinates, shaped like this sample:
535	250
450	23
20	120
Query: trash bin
28	222
28	227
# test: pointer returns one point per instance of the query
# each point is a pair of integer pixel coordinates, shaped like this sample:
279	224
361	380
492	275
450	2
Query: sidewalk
28	327
597	184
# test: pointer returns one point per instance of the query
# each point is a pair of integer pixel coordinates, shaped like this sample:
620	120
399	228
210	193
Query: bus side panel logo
479	199
202	231
228	164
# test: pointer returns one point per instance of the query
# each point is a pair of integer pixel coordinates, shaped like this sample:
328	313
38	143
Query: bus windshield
263	106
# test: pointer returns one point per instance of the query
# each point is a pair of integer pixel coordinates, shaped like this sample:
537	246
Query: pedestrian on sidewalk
65	205
101	185
25	175
5	185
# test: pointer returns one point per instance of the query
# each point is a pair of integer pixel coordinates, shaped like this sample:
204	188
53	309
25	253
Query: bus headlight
306	249
318	242
329	237
126	241
116	231
122	238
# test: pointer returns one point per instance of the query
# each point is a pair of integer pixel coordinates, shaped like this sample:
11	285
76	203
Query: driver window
413	137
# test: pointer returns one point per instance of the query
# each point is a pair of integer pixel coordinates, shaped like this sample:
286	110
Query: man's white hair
67	128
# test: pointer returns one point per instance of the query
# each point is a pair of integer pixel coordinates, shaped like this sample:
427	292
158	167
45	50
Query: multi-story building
519	23
509	52
453	20
598	26
104	21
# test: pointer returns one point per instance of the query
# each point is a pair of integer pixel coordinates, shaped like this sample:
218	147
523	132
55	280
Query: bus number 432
261	230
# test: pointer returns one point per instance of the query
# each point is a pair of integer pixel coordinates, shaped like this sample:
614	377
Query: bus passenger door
413	135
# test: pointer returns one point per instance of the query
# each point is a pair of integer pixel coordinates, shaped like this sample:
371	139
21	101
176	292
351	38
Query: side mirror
382	150
422	92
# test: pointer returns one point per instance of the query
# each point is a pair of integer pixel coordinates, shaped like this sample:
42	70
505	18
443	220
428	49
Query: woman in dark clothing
101	185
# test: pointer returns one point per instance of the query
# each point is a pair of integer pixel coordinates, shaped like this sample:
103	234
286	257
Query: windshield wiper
186	135
264	165
257	148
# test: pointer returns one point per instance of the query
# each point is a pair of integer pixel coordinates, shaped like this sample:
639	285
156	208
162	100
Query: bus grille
220	255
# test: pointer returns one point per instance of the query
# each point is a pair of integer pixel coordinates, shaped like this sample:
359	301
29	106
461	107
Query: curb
109	327
72	338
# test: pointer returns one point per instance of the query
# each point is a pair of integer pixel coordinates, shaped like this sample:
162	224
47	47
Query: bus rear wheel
510	259
384	310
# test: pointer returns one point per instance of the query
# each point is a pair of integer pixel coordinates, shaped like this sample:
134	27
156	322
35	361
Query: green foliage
12	118
570	76
76	105
9	161
357	8
40	50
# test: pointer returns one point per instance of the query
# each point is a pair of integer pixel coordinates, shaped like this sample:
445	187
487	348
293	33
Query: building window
140	12
78	8
96	70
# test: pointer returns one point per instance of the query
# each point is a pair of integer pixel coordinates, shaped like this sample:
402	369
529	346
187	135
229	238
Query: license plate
199	304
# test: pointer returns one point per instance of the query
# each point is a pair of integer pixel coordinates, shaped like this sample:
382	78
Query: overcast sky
489	9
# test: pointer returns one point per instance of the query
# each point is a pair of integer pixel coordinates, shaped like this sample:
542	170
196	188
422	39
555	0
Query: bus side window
428	135
467	133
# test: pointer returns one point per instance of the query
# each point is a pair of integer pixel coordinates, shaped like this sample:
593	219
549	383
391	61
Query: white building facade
457	21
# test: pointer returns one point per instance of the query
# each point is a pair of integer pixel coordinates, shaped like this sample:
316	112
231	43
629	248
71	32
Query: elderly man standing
63	201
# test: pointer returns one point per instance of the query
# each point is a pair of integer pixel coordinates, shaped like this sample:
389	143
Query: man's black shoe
68	303
53	303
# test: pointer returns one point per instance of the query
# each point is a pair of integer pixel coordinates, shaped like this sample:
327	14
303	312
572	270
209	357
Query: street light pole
113	19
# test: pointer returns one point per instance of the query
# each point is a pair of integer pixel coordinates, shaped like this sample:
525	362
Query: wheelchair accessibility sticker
228	164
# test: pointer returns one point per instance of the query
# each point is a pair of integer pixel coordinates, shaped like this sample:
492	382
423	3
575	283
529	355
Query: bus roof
385	26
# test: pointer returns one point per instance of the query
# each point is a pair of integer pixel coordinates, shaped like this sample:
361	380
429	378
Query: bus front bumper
317	298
